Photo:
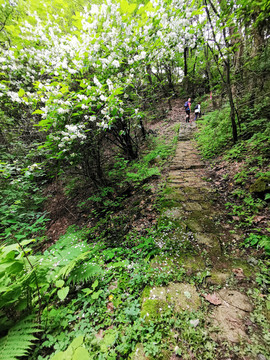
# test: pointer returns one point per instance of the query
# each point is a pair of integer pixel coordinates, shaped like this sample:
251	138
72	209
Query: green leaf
77	342
59	356
108	340
59	283
96	294
81	354
21	93
38	112
62	293
95	284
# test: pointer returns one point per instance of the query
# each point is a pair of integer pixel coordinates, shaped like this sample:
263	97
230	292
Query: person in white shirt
197	111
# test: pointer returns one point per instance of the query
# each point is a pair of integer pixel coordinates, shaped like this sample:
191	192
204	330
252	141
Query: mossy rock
184	297
165	204
146	293
261	185
156	293
192	206
175	195
173	223
226	265
152	309
174	213
138	353
180	239
210	242
191	262
249	270
218	278
191	190
201	221
207	239
194	225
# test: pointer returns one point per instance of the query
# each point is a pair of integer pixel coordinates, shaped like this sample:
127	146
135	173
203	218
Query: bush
214	135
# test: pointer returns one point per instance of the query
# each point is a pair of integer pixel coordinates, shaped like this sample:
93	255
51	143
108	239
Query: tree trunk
230	96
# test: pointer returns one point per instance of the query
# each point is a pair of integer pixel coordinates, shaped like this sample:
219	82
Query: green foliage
19	339
213	136
21	202
246	208
18	278
70	259
138	172
75	351
237	152
260	241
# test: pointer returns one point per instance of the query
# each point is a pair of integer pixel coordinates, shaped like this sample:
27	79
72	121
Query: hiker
197	111
188	108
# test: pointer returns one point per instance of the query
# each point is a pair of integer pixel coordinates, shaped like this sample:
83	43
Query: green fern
70	259
84	272
19	340
78	270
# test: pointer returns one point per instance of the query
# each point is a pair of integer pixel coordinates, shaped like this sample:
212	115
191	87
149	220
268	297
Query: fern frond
19	340
65	271
84	272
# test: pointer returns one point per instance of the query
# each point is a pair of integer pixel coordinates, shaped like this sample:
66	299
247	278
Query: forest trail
206	253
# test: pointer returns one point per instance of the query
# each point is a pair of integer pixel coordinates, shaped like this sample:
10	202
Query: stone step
187	167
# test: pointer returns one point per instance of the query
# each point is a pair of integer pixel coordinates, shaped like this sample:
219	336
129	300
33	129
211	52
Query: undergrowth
106	312
249	190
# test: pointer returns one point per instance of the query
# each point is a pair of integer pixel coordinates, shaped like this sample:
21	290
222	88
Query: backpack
186	105
196	107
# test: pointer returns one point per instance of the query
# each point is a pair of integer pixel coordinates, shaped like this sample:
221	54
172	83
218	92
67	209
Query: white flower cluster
117	57
72	132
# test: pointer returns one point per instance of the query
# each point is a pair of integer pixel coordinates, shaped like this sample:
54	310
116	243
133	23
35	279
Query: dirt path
192	206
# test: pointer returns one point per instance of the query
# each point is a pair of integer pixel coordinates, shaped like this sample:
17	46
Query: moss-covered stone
184	297
192	263
167	204
152	309
248	269
210	242
261	185
194	225
226	265
175	195
139	353
146	293
192	206
174	213
218	278
206	239
202	221
158	293
173	223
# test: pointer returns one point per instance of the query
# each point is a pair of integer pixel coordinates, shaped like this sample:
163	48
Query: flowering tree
83	87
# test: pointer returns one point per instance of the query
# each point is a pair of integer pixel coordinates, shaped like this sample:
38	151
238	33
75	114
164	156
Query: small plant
259	241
